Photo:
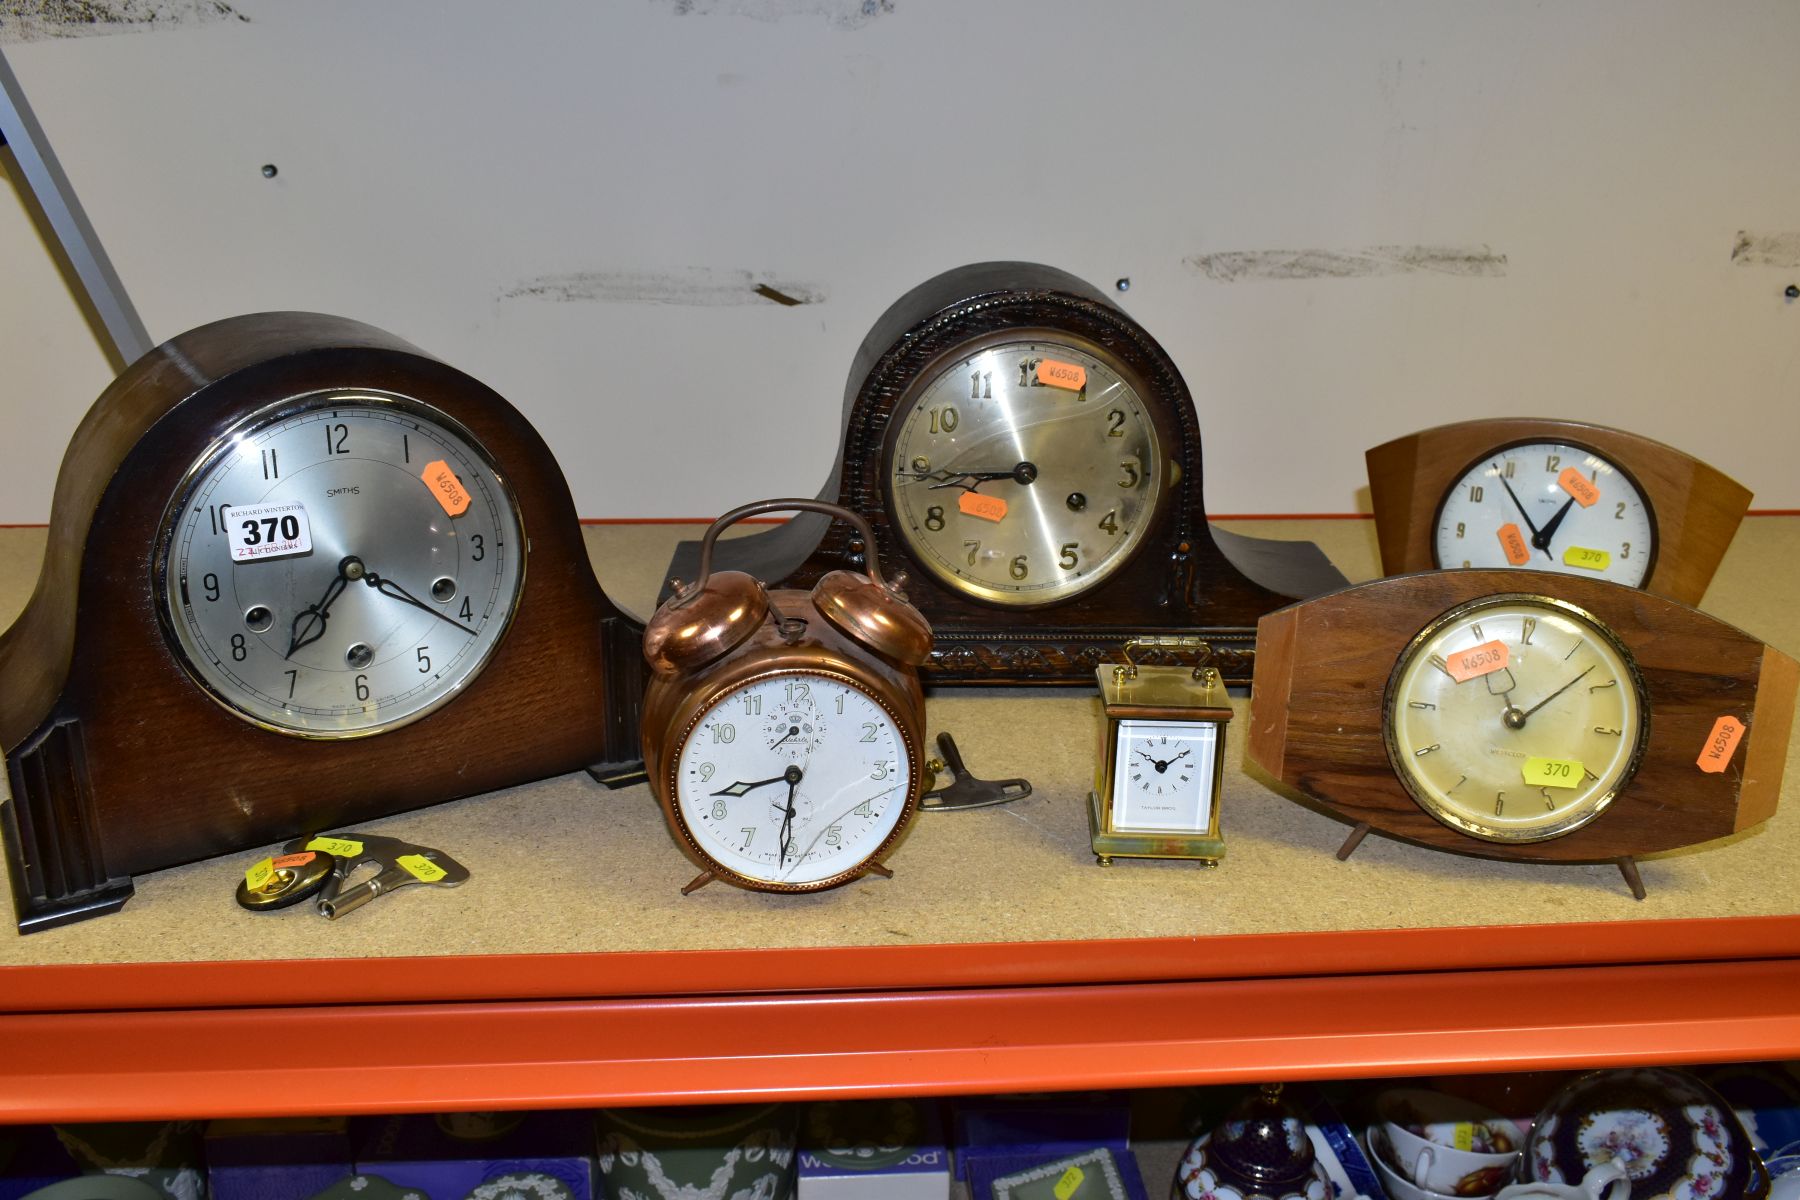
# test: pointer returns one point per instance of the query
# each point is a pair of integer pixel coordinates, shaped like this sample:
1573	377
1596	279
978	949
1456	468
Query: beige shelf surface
566	866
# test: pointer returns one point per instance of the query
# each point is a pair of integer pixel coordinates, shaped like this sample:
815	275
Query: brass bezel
270	414
1399	761
1011	599
717	696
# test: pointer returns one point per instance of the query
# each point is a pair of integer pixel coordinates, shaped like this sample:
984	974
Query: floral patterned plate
1671	1133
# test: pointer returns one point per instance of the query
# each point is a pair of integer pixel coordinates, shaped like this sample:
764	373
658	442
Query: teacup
1784	1174
1397	1186
1448	1145
1608	1181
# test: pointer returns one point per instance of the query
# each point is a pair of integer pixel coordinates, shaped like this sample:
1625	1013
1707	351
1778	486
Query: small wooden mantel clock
300	574
1029	462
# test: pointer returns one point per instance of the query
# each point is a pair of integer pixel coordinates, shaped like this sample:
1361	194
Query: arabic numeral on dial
293	678
840	704
1499	803
1507	469
981	385
1070	557
335	438
215	513
424	660
210	582
870	729
362	687
934	518
1133	476
1461	528
1019	568
270	465
1553	462
1609	732
863	809
1116	423
719	811
1619	511
1110	522
752	706
973	548
945	419
799	693
749	832
706	772
1475	493
1625	550
882	769
239	651
833	836
723	733
475	540
467	614
1028	373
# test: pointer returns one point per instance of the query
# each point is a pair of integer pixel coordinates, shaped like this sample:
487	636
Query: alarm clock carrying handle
861	524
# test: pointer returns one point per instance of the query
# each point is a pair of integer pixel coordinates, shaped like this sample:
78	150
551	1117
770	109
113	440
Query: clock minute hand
1559	691
389	588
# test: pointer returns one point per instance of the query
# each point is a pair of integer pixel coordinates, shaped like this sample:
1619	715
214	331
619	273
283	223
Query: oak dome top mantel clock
1029	461
299	574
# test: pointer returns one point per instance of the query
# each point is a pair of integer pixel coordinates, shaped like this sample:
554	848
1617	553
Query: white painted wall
436	157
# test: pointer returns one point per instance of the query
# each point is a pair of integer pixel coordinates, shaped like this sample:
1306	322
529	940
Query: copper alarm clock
782	728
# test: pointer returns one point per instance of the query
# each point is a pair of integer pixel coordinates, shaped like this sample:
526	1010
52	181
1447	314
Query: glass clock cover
1163	775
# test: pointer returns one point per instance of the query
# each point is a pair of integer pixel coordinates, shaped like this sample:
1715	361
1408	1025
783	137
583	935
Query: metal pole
44	181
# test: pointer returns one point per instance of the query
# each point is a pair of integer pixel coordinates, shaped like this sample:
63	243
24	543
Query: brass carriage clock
783	729
1162	757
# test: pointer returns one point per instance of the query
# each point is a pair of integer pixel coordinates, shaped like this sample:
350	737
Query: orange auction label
288	862
1484	659
1512	540
988	508
1579	486
446	487
1063	375
1721	743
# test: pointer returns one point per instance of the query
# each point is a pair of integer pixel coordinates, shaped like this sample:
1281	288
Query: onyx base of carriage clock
1523	715
1028	461
300	574
1162	759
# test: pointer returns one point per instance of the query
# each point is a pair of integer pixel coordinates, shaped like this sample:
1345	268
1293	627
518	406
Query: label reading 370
268	531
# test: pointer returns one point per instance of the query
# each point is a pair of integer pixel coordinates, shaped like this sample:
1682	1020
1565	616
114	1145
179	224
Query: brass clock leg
1628	868
876	868
1353	841
699	881
1104	860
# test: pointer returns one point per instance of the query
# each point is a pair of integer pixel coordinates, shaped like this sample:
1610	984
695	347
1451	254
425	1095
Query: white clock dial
317	584
1015	490
792	779
1163	776
1515	718
1549	506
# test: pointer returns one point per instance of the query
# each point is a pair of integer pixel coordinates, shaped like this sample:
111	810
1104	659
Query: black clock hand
1525	516
793	731
388	587
1542	538
791	775
969	481
787	817
1515	718
309	622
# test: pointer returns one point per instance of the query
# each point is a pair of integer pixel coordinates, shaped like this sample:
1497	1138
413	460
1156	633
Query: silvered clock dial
340	564
1025	471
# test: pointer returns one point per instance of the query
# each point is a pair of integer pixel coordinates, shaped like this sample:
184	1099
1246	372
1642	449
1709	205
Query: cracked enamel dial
1550	506
341	564
792	780
1024	472
1515	718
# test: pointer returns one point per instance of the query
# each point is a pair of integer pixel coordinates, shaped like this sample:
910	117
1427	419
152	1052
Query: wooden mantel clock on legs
1029	461
300	574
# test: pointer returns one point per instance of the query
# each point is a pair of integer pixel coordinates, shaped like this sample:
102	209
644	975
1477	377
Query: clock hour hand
1541	539
969	481
309	622
790	776
388	587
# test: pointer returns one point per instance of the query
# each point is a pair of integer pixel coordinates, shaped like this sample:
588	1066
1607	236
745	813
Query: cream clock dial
1550	506
1515	718
1026	472
792	779
340	565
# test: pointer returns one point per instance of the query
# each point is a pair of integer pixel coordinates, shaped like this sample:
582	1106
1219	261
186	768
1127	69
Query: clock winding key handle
966	791
403	865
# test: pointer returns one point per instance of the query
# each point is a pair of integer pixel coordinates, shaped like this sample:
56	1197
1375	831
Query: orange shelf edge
346	1059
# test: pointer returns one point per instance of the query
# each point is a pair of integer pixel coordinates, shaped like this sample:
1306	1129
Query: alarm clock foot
1104	860
876	868
699	881
1634	881
1353	841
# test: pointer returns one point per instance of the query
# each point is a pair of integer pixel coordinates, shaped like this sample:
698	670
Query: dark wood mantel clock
1029	460
300	574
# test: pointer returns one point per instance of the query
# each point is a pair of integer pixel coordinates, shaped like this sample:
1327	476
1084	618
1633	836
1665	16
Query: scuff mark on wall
1234	265
40	20
842	14
693	287
1766	249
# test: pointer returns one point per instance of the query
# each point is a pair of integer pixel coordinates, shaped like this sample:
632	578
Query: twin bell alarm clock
782	729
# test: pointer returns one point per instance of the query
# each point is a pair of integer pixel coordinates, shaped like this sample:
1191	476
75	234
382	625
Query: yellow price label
1069	1183
258	876
342	847
1464	1136
1553	772
1590	560
421	868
